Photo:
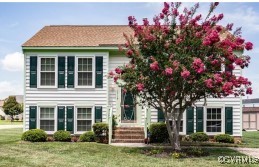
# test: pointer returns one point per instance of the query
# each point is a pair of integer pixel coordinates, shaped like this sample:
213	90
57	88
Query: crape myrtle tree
180	59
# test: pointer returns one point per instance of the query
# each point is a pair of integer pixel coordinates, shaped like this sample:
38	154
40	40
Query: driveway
10	126
254	152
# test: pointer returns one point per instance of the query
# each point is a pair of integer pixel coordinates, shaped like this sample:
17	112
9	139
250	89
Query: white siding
65	96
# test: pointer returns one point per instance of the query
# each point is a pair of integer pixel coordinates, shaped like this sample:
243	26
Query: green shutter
61	118
98	72
70	119
61	72
98	114
199	119
33	117
33	72
160	116
70	71
190	122
229	120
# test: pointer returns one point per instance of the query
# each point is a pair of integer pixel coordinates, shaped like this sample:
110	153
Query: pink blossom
115	79
220	17
176	64
175	12
126	44
118	70
214	62
168	71
185	74
111	73
129	52
198	65
209	83
178	40
126	106
240	41
218	78
162	16
145	22
227	88
249	91
154	66
248	46
140	87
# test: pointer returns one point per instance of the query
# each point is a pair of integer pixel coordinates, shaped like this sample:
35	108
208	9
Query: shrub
199	136
35	135
158	133
224	138
178	155
62	135
87	137
101	132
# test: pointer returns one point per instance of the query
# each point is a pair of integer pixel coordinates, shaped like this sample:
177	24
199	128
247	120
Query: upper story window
85	72
47	72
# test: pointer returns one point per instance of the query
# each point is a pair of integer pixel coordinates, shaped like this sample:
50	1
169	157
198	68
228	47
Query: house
19	99
66	87
251	102
251	114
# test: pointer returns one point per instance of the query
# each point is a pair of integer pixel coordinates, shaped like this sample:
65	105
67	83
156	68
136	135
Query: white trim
214	105
39	71
75	118
55	117
93	70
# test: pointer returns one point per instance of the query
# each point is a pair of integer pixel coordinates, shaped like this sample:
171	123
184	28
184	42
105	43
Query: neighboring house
66	86
19	99
251	114
251	102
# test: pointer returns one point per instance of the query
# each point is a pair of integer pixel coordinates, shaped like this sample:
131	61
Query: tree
177	61
12	107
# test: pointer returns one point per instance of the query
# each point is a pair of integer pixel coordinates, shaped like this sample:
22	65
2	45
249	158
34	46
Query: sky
20	21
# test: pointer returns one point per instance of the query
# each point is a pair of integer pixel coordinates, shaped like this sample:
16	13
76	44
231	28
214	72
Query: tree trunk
173	133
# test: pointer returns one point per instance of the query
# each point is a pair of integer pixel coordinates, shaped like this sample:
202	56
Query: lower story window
214	122
84	119
47	119
181	120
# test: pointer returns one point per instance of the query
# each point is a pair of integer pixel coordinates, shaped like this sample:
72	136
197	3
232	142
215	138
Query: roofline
69	47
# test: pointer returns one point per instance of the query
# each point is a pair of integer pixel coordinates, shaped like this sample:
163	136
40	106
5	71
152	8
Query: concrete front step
127	140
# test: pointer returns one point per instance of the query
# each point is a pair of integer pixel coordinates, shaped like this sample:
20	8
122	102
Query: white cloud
12	62
10	88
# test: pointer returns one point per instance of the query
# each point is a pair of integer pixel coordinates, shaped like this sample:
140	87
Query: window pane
85	64
47	78
84	125
47	113
84	113
47	125
47	64
85	78
213	126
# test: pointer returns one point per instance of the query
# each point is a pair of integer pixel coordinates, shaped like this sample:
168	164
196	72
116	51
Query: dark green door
128	108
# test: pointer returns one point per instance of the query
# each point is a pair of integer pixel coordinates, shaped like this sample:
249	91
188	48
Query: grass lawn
251	139
13	152
8	122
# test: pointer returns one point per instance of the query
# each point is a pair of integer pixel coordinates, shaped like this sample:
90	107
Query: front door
128	108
